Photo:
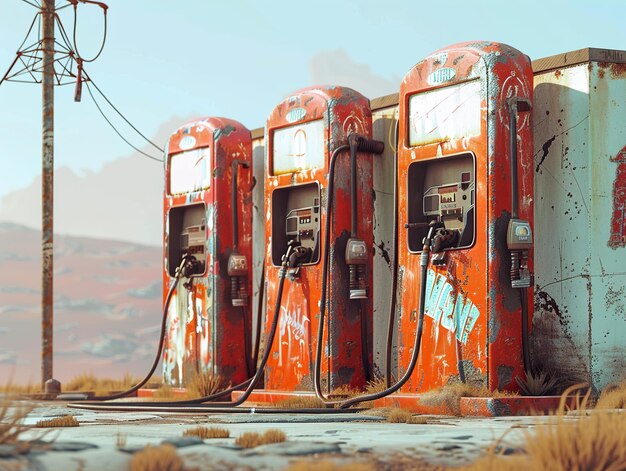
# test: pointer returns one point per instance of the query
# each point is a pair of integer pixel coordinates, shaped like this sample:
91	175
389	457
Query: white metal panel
579	116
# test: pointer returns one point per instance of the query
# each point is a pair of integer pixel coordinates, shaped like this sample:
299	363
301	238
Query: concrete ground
343	438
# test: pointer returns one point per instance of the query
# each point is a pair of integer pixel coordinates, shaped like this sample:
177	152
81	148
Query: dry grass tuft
248	440
204	383
328	465
11	417
376	386
253	439
274	435
160	458
593	442
403	416
89	382
65	421
345	391
206	432
538	384
613	397
301	402
164	393
29	388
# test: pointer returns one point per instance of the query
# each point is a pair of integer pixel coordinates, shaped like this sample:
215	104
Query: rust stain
557	73
618	220
618	70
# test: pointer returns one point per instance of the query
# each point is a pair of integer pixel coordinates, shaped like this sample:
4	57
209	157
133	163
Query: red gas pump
208	224
464	121
305	133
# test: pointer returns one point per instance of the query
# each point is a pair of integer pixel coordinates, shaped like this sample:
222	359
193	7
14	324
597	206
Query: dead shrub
327	465
344	391
206	432
164	393
12	415
613	397
403	416
65	421
248	440
89	382
273	436
376	386
253	439
596	441
204	383
159	458
301	402
538	384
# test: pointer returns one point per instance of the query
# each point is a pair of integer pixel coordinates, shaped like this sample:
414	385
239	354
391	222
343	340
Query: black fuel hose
251	383
203	409
356	143
525	340
320	331
394	268
515	104
418	336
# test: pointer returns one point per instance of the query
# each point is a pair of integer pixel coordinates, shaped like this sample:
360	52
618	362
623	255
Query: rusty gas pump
208	220
463	117
332	259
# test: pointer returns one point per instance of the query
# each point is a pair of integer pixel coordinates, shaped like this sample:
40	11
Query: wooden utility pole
47	190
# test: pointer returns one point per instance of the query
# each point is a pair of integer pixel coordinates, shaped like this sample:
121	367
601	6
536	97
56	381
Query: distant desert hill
107	305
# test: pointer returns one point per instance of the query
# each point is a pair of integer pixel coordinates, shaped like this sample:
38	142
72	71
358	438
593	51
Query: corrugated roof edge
589	54
566	59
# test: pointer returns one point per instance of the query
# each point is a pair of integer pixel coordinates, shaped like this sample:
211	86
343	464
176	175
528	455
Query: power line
113	126
32	4
104	38
160	149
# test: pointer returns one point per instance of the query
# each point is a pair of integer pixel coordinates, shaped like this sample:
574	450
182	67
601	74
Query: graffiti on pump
294	330
448	308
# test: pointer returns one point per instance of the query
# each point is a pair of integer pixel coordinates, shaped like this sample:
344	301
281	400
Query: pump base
431	405
475	406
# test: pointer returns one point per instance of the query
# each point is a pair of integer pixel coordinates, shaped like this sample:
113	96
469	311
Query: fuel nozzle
238	272
297	257
356	259
189	267
519	240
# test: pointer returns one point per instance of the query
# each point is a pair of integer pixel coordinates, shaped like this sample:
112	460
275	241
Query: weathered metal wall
580	195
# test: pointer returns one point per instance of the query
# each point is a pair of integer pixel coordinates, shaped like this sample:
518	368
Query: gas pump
304	134
208	222
463	121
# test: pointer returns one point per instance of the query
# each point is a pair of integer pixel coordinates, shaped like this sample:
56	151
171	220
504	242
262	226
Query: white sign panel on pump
190	171
298	147
445	113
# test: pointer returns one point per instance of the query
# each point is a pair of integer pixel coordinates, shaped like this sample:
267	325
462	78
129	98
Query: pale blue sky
239	58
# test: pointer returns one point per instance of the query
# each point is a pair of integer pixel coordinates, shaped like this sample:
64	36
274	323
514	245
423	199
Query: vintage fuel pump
304	133
463	122
208	220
